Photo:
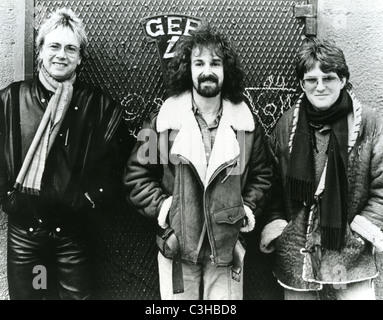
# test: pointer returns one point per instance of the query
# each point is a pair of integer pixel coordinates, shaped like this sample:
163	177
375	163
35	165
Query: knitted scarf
31	172
300	176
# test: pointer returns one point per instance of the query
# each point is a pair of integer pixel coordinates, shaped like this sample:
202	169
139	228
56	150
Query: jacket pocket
229	215
10	205
18	205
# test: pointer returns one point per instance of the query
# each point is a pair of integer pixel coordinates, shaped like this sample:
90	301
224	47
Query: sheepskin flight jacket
286	231
208	200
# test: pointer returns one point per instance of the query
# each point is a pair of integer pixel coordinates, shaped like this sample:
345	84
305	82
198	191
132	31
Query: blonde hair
63	17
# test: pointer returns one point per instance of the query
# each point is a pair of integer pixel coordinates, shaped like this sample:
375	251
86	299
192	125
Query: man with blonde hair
58	144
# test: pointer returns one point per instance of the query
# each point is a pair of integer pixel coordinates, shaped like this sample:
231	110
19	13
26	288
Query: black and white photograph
213	152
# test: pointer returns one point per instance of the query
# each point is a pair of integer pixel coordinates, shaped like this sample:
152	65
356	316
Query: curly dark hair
179	78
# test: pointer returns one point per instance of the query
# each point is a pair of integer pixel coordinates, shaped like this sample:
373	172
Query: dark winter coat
295	266
82	159
238	174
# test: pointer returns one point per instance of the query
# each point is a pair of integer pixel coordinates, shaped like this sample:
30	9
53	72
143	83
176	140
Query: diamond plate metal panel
124	63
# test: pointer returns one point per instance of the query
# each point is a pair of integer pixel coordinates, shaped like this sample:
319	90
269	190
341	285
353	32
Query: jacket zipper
208	229
233	165
207	217
193	169
222	167
195	173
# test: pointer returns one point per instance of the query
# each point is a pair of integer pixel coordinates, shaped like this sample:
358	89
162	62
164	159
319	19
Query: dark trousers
48	262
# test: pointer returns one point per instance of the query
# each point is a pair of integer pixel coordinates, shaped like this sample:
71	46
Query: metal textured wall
124	63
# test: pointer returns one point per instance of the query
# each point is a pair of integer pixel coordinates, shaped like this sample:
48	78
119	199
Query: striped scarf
31	172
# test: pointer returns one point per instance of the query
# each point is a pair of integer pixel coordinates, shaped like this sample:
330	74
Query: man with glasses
325	216
58	162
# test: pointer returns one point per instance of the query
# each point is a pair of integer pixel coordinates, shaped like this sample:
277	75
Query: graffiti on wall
166	30
267	103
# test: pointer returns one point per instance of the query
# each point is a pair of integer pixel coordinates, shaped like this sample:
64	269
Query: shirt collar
197	112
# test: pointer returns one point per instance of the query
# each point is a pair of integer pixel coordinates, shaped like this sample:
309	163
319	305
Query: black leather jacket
82	167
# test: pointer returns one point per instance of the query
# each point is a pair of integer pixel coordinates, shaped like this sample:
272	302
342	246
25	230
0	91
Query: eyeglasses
70	50
326	81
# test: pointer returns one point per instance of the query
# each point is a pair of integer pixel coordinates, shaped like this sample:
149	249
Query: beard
208	90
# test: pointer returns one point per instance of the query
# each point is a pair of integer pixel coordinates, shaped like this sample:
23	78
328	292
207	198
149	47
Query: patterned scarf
300	176
31	172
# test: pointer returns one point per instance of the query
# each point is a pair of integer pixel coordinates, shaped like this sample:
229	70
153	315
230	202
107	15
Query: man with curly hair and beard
208	179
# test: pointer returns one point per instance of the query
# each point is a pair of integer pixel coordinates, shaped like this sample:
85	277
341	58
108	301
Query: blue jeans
203	281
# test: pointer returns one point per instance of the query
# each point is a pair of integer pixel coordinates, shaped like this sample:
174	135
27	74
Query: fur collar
177	114
173	111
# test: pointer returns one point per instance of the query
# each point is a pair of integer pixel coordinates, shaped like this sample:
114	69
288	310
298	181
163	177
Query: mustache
207	78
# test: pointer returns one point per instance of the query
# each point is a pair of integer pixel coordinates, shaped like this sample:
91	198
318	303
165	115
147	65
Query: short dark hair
179	77
330	57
